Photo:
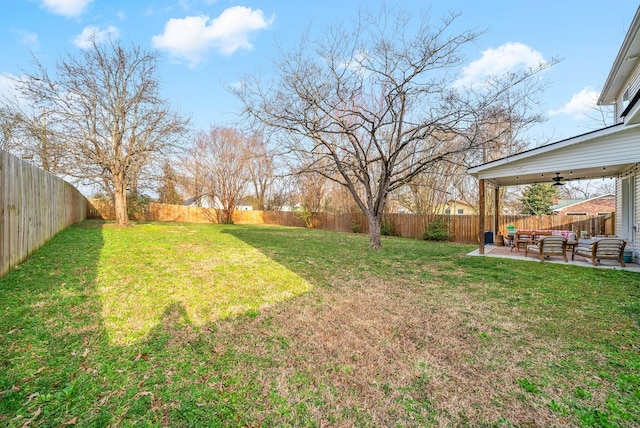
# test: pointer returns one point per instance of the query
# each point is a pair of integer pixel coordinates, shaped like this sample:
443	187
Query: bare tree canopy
218	167
375	104
260	169
105	109
167	191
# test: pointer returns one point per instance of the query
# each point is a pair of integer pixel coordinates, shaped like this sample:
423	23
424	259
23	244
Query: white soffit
598	154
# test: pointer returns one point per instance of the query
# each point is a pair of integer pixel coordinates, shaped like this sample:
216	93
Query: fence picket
34	206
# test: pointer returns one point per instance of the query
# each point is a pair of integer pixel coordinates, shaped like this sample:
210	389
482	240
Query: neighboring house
202	202
612	152
456	208
599	205
244	205
209	202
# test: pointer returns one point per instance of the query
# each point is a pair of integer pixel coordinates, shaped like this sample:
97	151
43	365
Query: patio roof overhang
604	153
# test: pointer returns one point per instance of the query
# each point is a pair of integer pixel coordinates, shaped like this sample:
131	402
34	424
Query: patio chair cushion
549	245
603	248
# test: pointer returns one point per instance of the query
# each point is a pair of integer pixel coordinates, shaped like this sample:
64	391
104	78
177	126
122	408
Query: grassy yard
217	325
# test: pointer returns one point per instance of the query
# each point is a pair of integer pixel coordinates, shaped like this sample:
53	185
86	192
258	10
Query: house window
460	211
625	99
576	213
447	211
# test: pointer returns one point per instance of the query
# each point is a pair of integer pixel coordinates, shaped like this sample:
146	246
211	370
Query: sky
206	46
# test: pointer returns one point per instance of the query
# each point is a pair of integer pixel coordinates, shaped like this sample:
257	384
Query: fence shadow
52	321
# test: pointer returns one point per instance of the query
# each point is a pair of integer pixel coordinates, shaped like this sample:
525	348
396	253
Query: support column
481	215
496	212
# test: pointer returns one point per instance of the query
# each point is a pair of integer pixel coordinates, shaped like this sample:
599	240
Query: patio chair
537	234
523	238
549	245
603	248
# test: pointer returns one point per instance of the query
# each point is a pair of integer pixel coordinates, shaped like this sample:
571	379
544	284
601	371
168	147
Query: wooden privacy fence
464	228
34	206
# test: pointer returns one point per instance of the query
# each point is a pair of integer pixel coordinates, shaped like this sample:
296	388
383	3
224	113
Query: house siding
634	244
633	83
618	204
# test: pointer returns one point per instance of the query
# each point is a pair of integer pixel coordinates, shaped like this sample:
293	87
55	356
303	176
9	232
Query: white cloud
68	8
83	40
192	37
28	39
496	62
580	104
185	4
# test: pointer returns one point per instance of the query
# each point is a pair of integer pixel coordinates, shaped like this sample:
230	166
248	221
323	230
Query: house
207	201
599	205
454	207
610	152
245	204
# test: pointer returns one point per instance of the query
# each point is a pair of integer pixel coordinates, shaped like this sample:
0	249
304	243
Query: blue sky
207	45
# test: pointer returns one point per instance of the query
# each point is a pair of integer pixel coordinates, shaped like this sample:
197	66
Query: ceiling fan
557	180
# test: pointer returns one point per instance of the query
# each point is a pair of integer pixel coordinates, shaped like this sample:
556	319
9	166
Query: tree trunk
226	216
374	231
120	203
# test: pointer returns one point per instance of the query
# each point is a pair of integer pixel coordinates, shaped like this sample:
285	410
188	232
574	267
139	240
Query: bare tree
104	108
222	156
311	189
432	188
167	192
260	168
9	123
281	193
376	106
191	176
586	189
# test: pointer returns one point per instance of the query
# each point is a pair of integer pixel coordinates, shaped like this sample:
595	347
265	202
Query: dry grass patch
396	356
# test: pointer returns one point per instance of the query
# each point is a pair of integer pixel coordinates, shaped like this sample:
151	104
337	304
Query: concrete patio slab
509	253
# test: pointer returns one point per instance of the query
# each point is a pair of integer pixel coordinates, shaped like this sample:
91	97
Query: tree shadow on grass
329	258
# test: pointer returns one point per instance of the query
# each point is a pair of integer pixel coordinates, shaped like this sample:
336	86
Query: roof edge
620	59
584	200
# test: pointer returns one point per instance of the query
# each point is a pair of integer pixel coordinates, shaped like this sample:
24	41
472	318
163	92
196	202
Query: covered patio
610	152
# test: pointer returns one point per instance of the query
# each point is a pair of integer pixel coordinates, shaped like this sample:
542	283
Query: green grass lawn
217	325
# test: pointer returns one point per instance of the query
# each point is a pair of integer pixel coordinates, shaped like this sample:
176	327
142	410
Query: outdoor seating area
547	246
525	238
597	249
597	252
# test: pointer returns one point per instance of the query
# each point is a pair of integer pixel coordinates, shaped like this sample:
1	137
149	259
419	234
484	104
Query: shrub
387	228
137	205
307	217
437	230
